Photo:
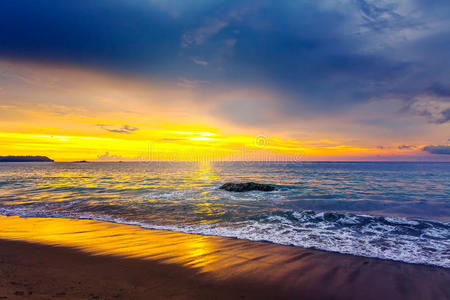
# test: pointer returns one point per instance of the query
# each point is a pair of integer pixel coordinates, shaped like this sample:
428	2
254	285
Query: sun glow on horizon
204	134
122	147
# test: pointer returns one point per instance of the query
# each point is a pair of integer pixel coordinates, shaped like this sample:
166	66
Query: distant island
25	159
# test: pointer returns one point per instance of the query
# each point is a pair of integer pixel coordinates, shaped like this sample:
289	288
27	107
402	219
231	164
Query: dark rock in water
247	186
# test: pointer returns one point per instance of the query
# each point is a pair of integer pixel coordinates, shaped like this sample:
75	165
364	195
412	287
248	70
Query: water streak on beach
398	211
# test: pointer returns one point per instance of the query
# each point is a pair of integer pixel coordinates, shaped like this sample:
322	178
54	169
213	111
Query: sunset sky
231	80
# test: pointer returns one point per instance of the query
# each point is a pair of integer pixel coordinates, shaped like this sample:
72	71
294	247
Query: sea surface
389	210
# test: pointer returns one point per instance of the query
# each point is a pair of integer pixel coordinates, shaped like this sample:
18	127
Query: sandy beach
45	258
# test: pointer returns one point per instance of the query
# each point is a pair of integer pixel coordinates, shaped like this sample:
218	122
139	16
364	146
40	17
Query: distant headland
25	159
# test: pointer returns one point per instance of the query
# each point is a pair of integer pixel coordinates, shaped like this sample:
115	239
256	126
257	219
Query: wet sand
44	258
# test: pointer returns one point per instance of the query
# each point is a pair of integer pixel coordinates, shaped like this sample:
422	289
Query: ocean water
398	211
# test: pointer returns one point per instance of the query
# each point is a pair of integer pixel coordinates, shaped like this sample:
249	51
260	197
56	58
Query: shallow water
397	211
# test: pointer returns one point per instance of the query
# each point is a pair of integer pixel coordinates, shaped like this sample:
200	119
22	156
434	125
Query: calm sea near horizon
389	210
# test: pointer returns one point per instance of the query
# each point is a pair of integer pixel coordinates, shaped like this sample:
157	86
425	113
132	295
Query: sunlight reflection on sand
222	257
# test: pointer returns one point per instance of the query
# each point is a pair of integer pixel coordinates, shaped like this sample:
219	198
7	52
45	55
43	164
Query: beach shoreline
82	259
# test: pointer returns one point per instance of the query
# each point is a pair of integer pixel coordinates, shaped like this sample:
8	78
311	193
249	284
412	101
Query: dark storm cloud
445	116
406	147
439	90
127	129
435	109
437	149
319	55
110	34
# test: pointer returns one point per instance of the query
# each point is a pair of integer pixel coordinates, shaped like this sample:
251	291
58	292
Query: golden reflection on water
204	174
221	257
